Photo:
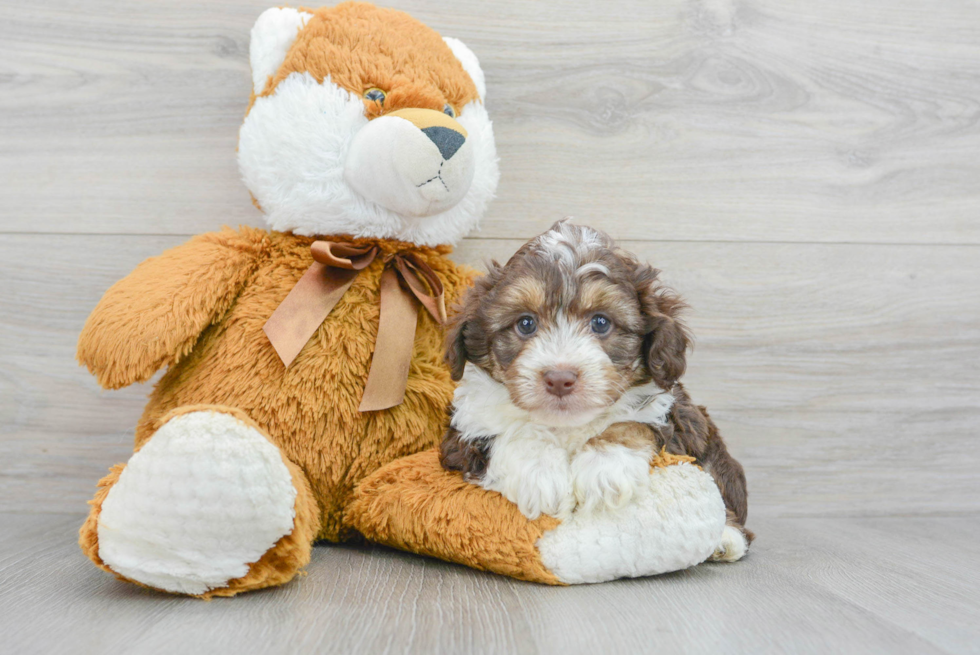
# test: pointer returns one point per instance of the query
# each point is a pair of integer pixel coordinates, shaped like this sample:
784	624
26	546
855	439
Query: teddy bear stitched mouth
448	142
437	176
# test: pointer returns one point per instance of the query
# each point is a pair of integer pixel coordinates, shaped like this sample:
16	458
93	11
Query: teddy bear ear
273	33
470	64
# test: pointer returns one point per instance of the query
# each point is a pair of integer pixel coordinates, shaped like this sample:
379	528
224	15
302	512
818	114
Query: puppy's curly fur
568	359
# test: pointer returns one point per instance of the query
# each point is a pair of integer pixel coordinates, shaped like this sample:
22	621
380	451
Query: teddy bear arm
153	317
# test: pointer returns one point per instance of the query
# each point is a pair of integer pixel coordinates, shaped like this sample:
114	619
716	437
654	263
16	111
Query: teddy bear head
365	122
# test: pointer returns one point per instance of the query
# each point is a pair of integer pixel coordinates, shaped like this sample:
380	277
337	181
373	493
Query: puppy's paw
545	488
609	476
733	546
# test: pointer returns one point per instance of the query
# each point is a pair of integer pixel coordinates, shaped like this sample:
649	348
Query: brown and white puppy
568	360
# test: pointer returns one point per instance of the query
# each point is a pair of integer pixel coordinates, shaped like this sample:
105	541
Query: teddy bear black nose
447	140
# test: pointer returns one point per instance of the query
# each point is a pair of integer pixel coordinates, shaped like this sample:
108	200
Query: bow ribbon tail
323	285
388	376
305	308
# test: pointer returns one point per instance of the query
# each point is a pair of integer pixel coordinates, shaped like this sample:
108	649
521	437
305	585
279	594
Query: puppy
568	360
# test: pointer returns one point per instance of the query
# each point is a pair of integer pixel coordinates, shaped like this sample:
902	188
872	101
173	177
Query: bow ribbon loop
424	284
335	266
343	255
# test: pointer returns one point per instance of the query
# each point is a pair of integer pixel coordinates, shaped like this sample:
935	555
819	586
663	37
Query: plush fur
672	523
226	405
200	308
415	504
278	565
569	359
234	467
313	116
531	463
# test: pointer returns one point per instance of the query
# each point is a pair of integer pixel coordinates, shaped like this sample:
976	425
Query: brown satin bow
323	285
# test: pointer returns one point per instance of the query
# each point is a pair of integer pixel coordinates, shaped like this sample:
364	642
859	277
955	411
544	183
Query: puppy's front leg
532	473
613	466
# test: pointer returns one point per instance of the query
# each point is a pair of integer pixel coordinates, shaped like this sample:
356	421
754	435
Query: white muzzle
415	162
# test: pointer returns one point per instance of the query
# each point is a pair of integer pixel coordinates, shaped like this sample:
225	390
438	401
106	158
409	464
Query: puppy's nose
447	140
560	382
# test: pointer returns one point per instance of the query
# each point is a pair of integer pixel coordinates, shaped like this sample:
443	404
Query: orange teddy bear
368	148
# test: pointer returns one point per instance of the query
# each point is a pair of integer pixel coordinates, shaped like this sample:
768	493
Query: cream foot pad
204	498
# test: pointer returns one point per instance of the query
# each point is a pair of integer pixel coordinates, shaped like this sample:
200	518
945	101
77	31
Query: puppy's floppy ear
456	346
465	341
666	340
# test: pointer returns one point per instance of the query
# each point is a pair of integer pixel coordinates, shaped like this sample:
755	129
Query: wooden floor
882	585
807	175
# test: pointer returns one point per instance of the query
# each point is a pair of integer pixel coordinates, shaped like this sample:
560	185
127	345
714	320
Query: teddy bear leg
208	506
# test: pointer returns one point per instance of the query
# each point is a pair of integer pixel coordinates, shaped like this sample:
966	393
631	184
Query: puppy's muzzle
416	162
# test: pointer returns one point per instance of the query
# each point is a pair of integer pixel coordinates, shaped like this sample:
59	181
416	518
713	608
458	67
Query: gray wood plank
55	420
920	574
682	120
837	373
796	592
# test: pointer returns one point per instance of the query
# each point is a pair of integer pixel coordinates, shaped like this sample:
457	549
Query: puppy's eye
449	111
601	324
526	325
375	95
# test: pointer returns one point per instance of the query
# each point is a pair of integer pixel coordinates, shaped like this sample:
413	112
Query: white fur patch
526	456
482	407
394	164
532	472
630	521
674	522
733	546
202	500
592	267
272	35
470	64
568	243
610	476
565	345
292	153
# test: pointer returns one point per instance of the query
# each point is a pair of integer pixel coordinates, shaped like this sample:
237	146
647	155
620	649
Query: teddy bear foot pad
207	496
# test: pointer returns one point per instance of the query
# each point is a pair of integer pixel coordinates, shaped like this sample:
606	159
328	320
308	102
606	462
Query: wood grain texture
896	585
844	377
730	120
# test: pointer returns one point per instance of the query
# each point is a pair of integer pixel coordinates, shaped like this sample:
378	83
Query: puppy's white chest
546	469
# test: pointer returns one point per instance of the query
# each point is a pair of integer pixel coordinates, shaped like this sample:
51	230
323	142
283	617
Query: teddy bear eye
601	324
449	111
526	325
375	95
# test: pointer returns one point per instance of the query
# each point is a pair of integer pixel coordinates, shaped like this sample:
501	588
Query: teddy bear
301	358
674	522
